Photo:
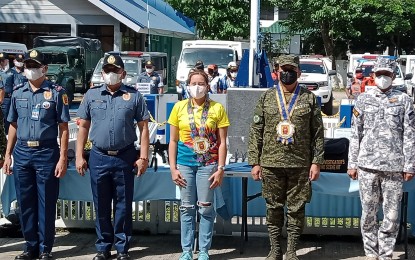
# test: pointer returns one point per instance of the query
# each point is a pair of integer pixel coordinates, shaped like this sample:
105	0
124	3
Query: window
267	12
104	33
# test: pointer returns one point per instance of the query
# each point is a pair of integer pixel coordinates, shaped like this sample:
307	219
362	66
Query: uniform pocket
394	116
369	113
22	107
98	110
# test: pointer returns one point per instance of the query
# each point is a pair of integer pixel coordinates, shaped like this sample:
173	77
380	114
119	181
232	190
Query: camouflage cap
36	56
292	60
114	60
384	64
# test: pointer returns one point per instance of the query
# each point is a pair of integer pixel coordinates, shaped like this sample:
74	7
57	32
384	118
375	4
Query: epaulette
57	87
131	86
18	86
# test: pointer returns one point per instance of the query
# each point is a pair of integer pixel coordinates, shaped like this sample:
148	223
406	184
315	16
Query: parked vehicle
134	65
71	60
210	52
316	76
366	62
12	48
408	67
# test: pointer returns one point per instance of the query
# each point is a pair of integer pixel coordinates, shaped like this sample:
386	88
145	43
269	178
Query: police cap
36	56
199	65
3	56
149	63
19	57
114	60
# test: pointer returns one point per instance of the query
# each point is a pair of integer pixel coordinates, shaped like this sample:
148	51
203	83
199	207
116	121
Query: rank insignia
355	112
65	99
393	100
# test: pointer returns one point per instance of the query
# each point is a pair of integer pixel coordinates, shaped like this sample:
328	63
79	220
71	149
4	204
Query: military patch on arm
65	99
356	113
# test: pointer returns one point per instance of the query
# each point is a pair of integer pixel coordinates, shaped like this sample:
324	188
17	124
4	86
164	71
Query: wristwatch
221	167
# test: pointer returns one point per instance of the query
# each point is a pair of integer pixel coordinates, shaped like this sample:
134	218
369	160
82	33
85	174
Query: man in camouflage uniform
286	154
382	155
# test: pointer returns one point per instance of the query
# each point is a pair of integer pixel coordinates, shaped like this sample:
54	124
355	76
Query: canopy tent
160	18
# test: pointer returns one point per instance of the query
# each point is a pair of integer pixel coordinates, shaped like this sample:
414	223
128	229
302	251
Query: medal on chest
286	129
201	143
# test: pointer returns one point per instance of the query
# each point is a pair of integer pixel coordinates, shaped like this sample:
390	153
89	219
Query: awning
161	18
276	27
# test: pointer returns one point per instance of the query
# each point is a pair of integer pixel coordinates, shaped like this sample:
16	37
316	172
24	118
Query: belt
115	152
34	144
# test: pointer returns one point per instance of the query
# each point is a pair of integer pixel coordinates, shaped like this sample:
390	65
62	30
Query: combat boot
291	248
274	254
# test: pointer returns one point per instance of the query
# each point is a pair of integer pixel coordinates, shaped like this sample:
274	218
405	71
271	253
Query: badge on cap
1	55
47	95
126	96
65	99
20	56
46	105
111	59
33	54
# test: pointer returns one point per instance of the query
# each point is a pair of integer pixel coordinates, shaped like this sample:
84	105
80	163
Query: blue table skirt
334	194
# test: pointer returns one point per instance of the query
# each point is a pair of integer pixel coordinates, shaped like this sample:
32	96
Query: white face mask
18	64
34	74
234	74
149	70
383	82
197	91
111	78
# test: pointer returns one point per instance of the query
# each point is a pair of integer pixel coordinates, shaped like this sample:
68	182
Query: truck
71	60
210	52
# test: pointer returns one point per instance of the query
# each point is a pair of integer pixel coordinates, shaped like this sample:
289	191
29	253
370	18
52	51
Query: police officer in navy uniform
112	111
152	77
7	77
38	116
14	80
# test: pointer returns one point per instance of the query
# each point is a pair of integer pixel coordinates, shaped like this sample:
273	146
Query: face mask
197	91
288	77
34	74
383	82
18	64
111	78
359	75
149	70
234	74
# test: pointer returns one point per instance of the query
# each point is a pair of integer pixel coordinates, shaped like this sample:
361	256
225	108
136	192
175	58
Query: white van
13	48
210	52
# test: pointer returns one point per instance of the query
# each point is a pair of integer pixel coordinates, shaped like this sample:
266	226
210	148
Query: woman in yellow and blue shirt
197	153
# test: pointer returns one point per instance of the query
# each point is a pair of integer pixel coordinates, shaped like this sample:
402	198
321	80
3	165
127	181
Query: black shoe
26	256
46	256
102	256
123	256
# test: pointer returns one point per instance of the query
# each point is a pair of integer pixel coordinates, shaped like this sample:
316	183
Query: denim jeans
197	195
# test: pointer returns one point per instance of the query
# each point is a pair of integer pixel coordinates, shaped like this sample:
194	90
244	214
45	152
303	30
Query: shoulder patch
256	119
355	112
65	99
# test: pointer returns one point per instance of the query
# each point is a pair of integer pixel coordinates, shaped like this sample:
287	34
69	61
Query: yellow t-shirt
179	117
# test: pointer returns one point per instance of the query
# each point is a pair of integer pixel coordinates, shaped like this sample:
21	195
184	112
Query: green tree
217	19
331	19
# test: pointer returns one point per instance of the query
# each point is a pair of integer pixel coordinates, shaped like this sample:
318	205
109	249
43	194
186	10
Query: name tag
36	112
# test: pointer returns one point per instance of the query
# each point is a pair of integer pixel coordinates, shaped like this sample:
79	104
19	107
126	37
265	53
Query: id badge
36	112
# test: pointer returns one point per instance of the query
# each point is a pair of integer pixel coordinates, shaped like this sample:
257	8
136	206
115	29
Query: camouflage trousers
290	187
378	187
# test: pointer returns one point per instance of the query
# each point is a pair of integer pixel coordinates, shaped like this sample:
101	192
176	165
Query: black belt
114	152
35	144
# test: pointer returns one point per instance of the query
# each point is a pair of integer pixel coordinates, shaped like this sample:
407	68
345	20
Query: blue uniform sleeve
12	116
62	106
83	110
141	112
2	77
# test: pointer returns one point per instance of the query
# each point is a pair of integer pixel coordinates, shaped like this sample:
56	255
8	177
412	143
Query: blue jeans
197	195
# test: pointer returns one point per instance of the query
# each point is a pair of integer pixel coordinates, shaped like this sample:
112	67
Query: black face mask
288	77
